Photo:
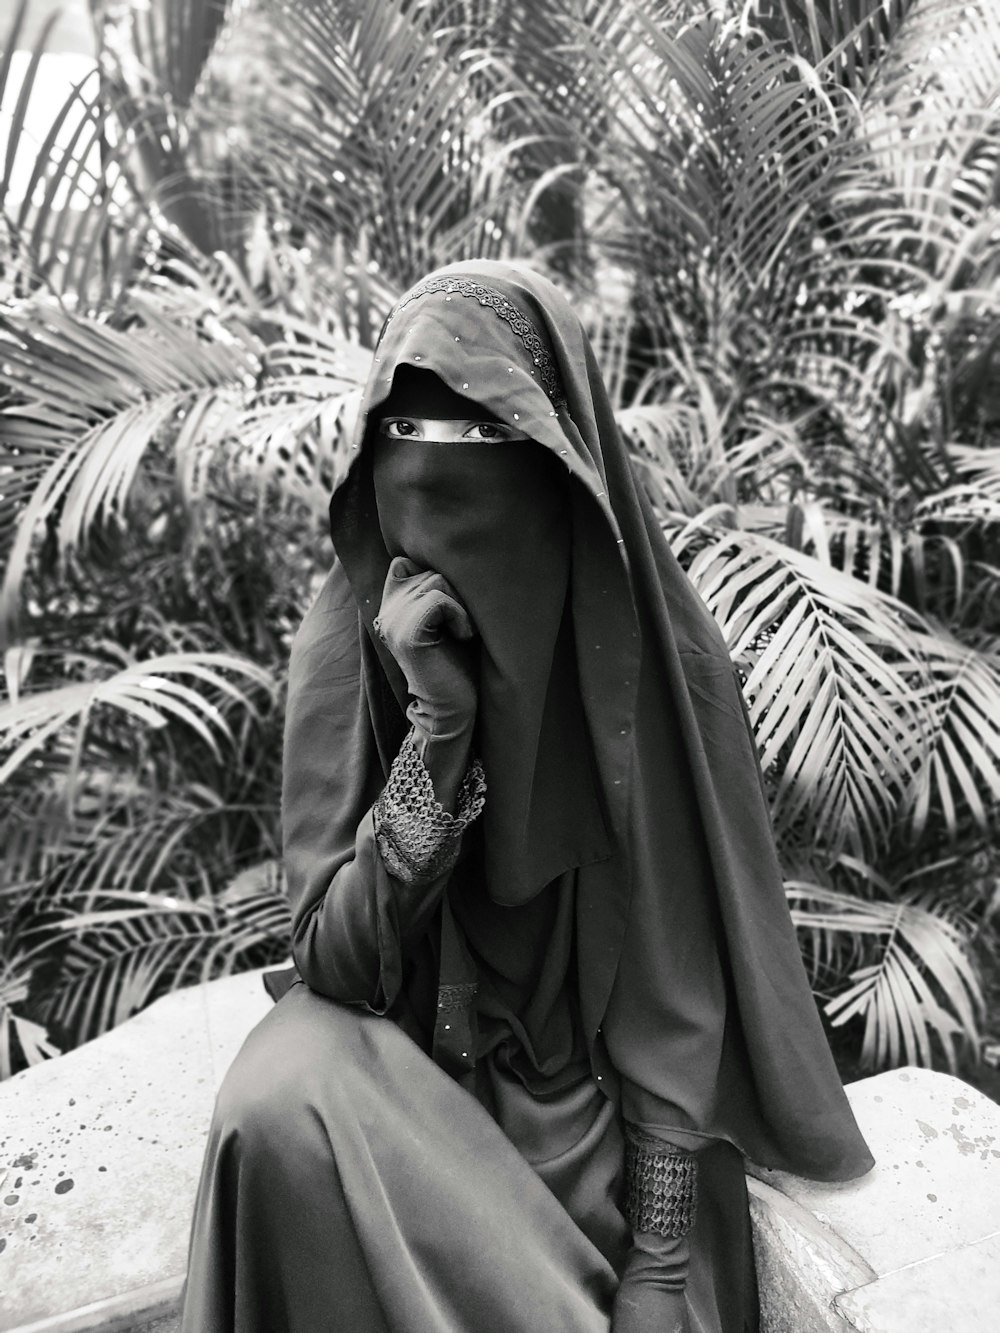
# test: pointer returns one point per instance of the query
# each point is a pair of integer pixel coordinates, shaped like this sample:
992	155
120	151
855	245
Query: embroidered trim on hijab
506	309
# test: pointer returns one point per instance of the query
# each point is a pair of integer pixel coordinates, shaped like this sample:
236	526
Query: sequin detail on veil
517	319
451	998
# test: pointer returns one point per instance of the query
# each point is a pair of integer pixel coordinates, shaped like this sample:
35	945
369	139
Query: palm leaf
122	957
958	773
392	108
660	435
90	400
33	1043
828	663
137	838
148	691
77	206
295	429
980	471
130	144
922	982
256	910
847	38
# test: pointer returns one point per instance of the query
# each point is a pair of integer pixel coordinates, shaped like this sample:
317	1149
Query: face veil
494	519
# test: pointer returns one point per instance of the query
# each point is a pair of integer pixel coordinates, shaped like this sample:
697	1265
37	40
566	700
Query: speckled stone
100	1152
936	1180
801	1265
923	1215
954	1292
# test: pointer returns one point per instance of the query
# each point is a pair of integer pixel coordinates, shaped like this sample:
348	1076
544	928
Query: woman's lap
349	1183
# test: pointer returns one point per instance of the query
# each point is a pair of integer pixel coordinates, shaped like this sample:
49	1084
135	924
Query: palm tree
779	224
807	199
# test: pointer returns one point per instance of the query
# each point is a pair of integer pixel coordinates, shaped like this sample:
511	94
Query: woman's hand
651	1296
429	632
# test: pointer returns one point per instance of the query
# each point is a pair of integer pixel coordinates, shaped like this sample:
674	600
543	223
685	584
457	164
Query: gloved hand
429	633
651	1297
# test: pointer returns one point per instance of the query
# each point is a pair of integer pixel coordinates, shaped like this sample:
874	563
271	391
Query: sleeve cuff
417	839
662	1185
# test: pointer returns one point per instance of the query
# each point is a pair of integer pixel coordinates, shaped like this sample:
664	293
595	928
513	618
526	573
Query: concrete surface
801	1265
949	1293
100	1152
925	1217
153	1309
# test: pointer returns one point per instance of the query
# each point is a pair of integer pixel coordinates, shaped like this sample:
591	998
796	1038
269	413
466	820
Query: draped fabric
351	1186
494	520
428	1133
693	999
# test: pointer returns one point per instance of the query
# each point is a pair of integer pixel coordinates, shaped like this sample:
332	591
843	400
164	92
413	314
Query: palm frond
131	165
124	955
828	662
848	39
32	1040
137	840
88	402
980	470
921	984
77	223
152	692
957	776
398	113
296	427
664	439
120	958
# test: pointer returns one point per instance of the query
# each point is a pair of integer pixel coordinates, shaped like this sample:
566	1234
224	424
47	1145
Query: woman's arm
662	1193
355	906
352	925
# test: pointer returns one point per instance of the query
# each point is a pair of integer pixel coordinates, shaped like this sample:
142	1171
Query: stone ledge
927	1213
954	1291
153	1309
101	1150
801	1264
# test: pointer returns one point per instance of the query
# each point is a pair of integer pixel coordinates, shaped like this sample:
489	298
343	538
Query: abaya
427	1130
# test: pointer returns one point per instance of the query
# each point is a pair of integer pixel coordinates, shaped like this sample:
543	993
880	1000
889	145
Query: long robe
691	1012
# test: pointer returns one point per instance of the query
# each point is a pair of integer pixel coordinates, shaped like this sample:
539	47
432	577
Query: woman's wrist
417	836
447	758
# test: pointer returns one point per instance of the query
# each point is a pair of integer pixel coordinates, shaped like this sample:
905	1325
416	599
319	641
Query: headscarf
695	1004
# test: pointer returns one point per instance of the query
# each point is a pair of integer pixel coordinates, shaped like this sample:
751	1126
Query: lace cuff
662	1185
417	838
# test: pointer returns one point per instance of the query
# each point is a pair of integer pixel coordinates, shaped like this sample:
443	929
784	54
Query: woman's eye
400	429
487	430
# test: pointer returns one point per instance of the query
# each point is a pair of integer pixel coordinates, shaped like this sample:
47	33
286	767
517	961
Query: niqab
494	520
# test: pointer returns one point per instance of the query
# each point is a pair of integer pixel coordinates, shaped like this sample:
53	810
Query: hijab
695	1005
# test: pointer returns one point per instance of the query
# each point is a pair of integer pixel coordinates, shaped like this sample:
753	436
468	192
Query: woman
547	992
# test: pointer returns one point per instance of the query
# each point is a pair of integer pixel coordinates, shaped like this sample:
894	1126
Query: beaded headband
505	309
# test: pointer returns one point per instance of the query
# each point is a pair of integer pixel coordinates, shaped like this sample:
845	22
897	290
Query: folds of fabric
694	875
454	510
374	1147
351	922
349	1184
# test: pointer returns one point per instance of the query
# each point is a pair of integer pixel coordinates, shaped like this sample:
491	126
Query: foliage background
779	222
